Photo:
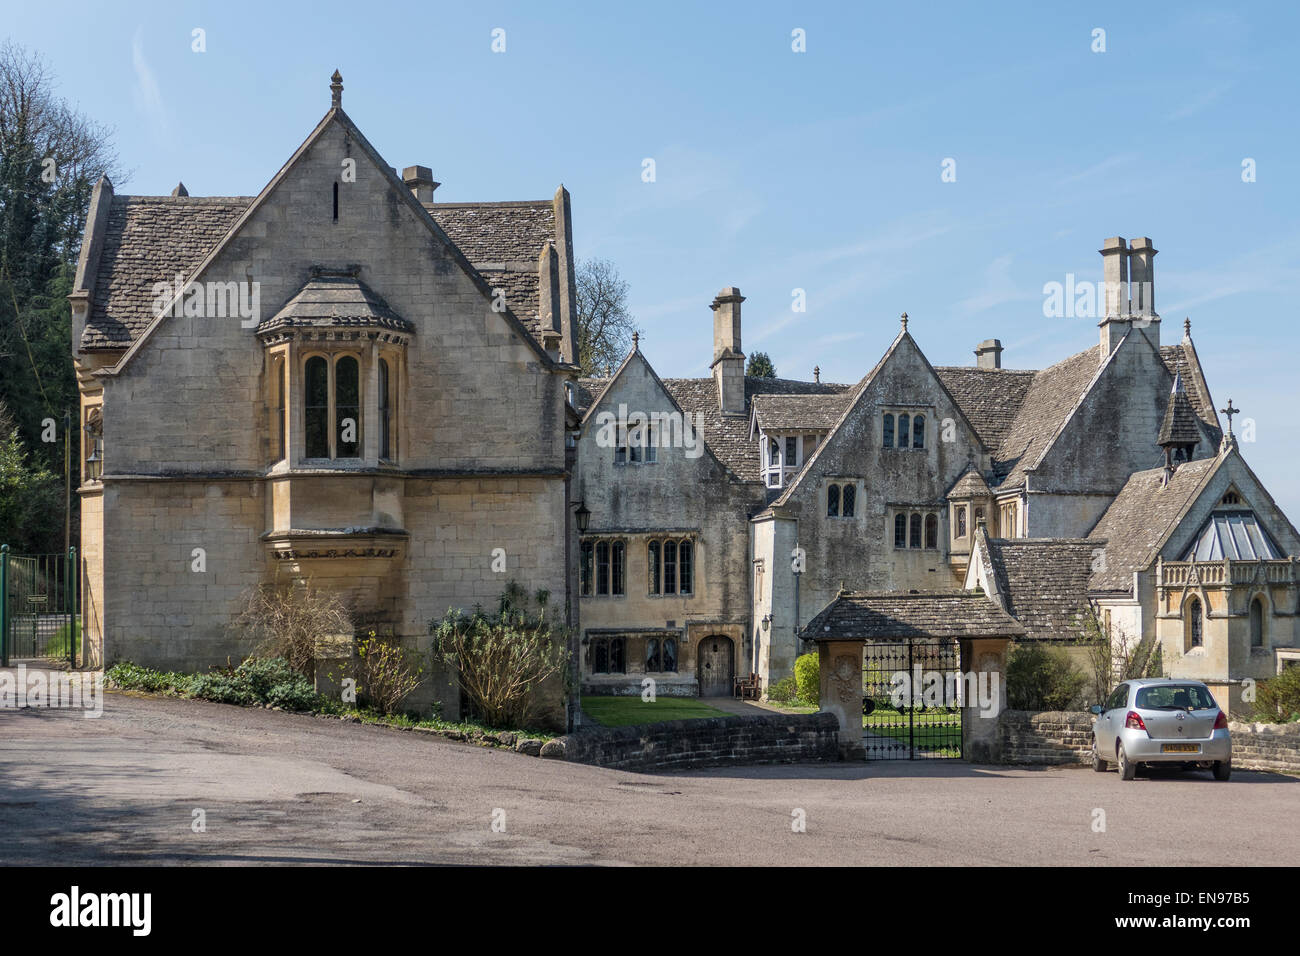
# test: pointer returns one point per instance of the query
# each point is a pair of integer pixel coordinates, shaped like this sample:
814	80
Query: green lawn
625	711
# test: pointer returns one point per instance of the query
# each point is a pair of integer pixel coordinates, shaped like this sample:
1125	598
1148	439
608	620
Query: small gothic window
586	567
316	407
900	531
889	432
281	374
1194	637
607	655
669	662
960	513
347	406
833	501
1231	498
652	654
602	567
616	569
652	556
903	423
685	570
918	431
914	533
1257	623
932	531
850	500
385	412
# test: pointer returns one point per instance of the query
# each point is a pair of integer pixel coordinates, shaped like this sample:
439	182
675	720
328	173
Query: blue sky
778	170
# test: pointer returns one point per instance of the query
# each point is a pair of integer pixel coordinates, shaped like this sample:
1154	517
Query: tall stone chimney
1115	305
988	354
728	359
1142	278
419	179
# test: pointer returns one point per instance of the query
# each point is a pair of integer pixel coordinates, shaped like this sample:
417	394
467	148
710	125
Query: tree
760	366
51	156
31	499
605	326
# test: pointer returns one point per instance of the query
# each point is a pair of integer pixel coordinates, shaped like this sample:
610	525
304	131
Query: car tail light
1134	721
1221	722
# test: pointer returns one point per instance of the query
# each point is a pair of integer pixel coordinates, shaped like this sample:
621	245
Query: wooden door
715	666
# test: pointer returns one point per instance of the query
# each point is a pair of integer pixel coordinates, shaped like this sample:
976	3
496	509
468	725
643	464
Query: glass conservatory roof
1235	535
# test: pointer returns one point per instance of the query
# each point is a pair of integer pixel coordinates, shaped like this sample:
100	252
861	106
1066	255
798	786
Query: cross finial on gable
904	318
336	90
1230	411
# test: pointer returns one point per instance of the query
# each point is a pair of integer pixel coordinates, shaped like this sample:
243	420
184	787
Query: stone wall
1061	737
1273	747
1049	737
711	742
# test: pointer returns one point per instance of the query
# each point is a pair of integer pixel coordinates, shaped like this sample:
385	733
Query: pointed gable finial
1187	328
180	190
636	341
904	318
336	90
817	373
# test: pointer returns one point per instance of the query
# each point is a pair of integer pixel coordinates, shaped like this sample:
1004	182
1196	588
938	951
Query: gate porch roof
891	615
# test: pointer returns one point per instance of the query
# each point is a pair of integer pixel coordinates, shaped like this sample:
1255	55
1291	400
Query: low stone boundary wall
1046	737
1266	747
708	742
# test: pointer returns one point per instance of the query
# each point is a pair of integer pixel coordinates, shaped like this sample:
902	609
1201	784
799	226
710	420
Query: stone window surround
892	412
925	513
294	347
635	646
595	540
857	484
679	540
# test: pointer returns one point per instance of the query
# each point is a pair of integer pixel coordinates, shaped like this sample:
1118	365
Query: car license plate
1180	748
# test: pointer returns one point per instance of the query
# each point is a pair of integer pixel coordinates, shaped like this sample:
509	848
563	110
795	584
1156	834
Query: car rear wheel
1127	768
1222	769
1098	764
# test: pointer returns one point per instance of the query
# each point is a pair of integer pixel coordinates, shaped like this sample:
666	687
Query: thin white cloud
147	95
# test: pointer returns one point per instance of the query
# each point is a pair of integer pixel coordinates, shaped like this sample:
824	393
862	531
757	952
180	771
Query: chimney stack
728	359
419	179
988	354
1142	278
1115	305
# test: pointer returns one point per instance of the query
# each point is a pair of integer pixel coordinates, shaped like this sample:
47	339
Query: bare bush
287	621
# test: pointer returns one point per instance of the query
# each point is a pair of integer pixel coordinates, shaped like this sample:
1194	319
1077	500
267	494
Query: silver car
1166	721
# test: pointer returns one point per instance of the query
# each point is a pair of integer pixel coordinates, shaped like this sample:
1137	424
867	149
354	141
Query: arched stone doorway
715	662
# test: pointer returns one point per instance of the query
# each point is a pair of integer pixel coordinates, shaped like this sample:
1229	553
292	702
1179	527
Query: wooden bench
746	687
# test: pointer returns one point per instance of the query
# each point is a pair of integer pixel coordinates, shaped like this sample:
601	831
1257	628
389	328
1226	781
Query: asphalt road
287	789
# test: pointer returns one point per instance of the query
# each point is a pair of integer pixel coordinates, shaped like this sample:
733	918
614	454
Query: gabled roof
150	239
727	436
777	412
1142	516
1050	400
151	257
889	615
330	300
990	397
1043	583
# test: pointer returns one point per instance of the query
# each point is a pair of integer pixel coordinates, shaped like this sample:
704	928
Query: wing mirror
1095	708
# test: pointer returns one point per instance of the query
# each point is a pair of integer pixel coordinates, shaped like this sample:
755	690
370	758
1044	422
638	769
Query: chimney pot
419	179
988	354
728	359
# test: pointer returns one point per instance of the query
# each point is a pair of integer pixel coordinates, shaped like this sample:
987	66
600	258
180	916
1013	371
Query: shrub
1042	678
286	622
501	659
386	673
807	678
255	681
1277	700
782	691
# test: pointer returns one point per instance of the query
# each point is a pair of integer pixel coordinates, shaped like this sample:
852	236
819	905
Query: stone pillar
986	659
840	692
334	654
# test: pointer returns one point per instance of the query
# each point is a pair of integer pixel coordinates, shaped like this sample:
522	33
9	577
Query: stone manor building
343	381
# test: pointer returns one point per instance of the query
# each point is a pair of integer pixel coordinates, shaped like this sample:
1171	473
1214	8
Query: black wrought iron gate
911	700
38	608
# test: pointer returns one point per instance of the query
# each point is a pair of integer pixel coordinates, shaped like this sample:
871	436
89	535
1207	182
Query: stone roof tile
1045	583
890	615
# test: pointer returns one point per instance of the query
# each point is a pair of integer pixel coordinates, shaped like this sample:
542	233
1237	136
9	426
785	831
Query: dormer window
781	456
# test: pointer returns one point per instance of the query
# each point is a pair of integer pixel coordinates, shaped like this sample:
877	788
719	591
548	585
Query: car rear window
1174	697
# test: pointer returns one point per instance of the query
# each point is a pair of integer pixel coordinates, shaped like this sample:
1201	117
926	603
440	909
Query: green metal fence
39	619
